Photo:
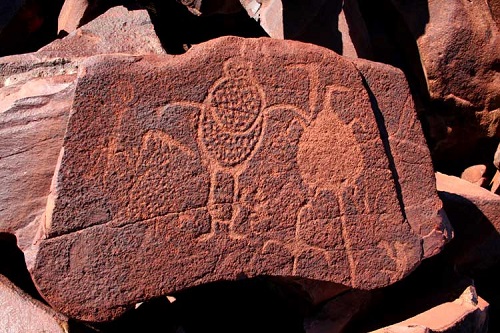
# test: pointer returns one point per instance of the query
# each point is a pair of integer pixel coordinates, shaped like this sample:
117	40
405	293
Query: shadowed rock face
243	157
459	48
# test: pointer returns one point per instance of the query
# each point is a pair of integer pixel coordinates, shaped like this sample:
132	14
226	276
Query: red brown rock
71	15
118	30
19	313
475	174
177	171
467	314
35	100
36	93
398	123
459	46
474	213
495	10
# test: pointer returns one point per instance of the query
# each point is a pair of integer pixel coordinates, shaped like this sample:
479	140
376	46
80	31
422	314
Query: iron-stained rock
36	92
243	157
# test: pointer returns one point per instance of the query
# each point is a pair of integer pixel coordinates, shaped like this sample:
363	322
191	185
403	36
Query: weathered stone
467	314
459	47
475	174
495	10
398	123
71	15
19	313
116	31
35	99
36	92
334	24
242	157
474	213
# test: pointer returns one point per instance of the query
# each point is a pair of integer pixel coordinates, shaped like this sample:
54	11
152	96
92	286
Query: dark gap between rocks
178	29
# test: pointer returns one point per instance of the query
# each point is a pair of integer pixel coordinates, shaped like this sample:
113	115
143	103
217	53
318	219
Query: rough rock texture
474	213
495	10
398	124
467	314
206	167
36	92
19	313
334	24
116	31
495	183
459	47
35	99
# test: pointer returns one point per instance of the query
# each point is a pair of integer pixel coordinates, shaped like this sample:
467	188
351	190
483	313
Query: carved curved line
251	78
254	137
151	134
304	120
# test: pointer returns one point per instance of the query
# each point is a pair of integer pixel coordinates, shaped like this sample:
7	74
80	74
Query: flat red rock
241	158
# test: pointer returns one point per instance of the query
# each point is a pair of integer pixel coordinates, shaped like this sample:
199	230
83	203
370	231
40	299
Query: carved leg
220	201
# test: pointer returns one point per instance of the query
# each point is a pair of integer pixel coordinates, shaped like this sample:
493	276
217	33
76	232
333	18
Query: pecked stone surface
118	30
243	157
36	92
400	128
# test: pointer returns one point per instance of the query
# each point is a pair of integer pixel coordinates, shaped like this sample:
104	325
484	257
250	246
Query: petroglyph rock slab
399	126
243	157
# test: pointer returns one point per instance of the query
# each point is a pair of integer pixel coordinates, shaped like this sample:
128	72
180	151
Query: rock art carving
241	166
230	128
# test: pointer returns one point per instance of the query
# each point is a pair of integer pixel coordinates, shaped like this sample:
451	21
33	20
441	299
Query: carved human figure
230	127
330	160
